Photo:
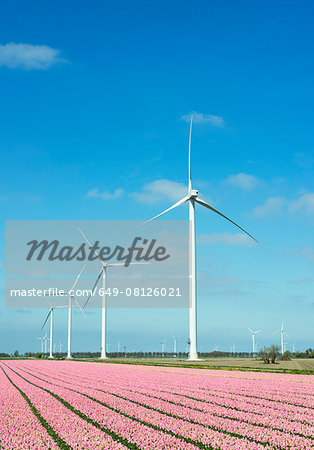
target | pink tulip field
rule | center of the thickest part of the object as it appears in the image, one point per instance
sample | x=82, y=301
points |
x=82, y=405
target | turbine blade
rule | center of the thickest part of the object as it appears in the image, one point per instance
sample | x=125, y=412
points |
x=258, y=331
x=48, y=302
x=77, y=278
x=90, y=245
x=202, y=202
x=94, y=287
x=79, y=306
x=190, y=138
x=46, y=320
x=250, y=330
x=123, y=264
x=180, y=202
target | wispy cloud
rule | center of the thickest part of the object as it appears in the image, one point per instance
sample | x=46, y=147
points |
x=159, y=190
x=235, y=239
x=272, y=205
x=300, y=281
x=28, y=56
x=305, y=203
x=106, y=195
x=218, y=281
x=308, y=252
x=209, y=119
x=304, y=160
x=243, y=181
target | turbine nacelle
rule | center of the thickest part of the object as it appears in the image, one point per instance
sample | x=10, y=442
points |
x=194, y=193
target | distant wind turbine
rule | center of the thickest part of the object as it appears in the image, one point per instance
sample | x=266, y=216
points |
x=72, y=297
x=253, y=339
x=60, y=347
x=51, y=315
x=45, y=339
x=282, y=334
x=174, y=346
x=192, y=198
x=42, y=343
x=293, y=348
x=103, y=273
x=163, y=345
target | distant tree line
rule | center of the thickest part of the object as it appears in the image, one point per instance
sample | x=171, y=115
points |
x=265, y=354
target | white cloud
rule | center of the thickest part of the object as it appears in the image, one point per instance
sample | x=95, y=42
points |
x=272, y=205
x=305, y=203
x=94, y=193
x=243, y=181
x=27, y=56
x=159, y=190
x=236, y=239
x=215, y=121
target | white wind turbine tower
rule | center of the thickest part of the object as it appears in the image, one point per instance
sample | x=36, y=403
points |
x=72, y=297
x=253, y=339
x=42, y=343
x=103, y=273
x=192, y=198
x=174, y=346
x=45, y=339
x=51, y=315
x=282, y=334
x=60, y=347
x=163, y=345
x=293, y=348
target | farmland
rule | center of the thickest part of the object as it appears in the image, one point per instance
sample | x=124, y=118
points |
x=83, y=405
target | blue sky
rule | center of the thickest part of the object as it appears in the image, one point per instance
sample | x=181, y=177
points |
x=94, y=99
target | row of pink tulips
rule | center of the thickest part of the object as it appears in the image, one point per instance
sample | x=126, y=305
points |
x=199, y=430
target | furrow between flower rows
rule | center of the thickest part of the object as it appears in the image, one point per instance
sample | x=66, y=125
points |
x=262, y=435
x=207, y=437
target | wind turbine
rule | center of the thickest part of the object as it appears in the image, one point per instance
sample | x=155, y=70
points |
x=45, y=339
x=253, y=339
x=50, y=314
x=282, y=334
x=163, y=345
x=174, y=346
x=42, y=343
x=72, y=297
x=192, y=198
x=293, y=348
x=60, y=347
x=103, y=274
